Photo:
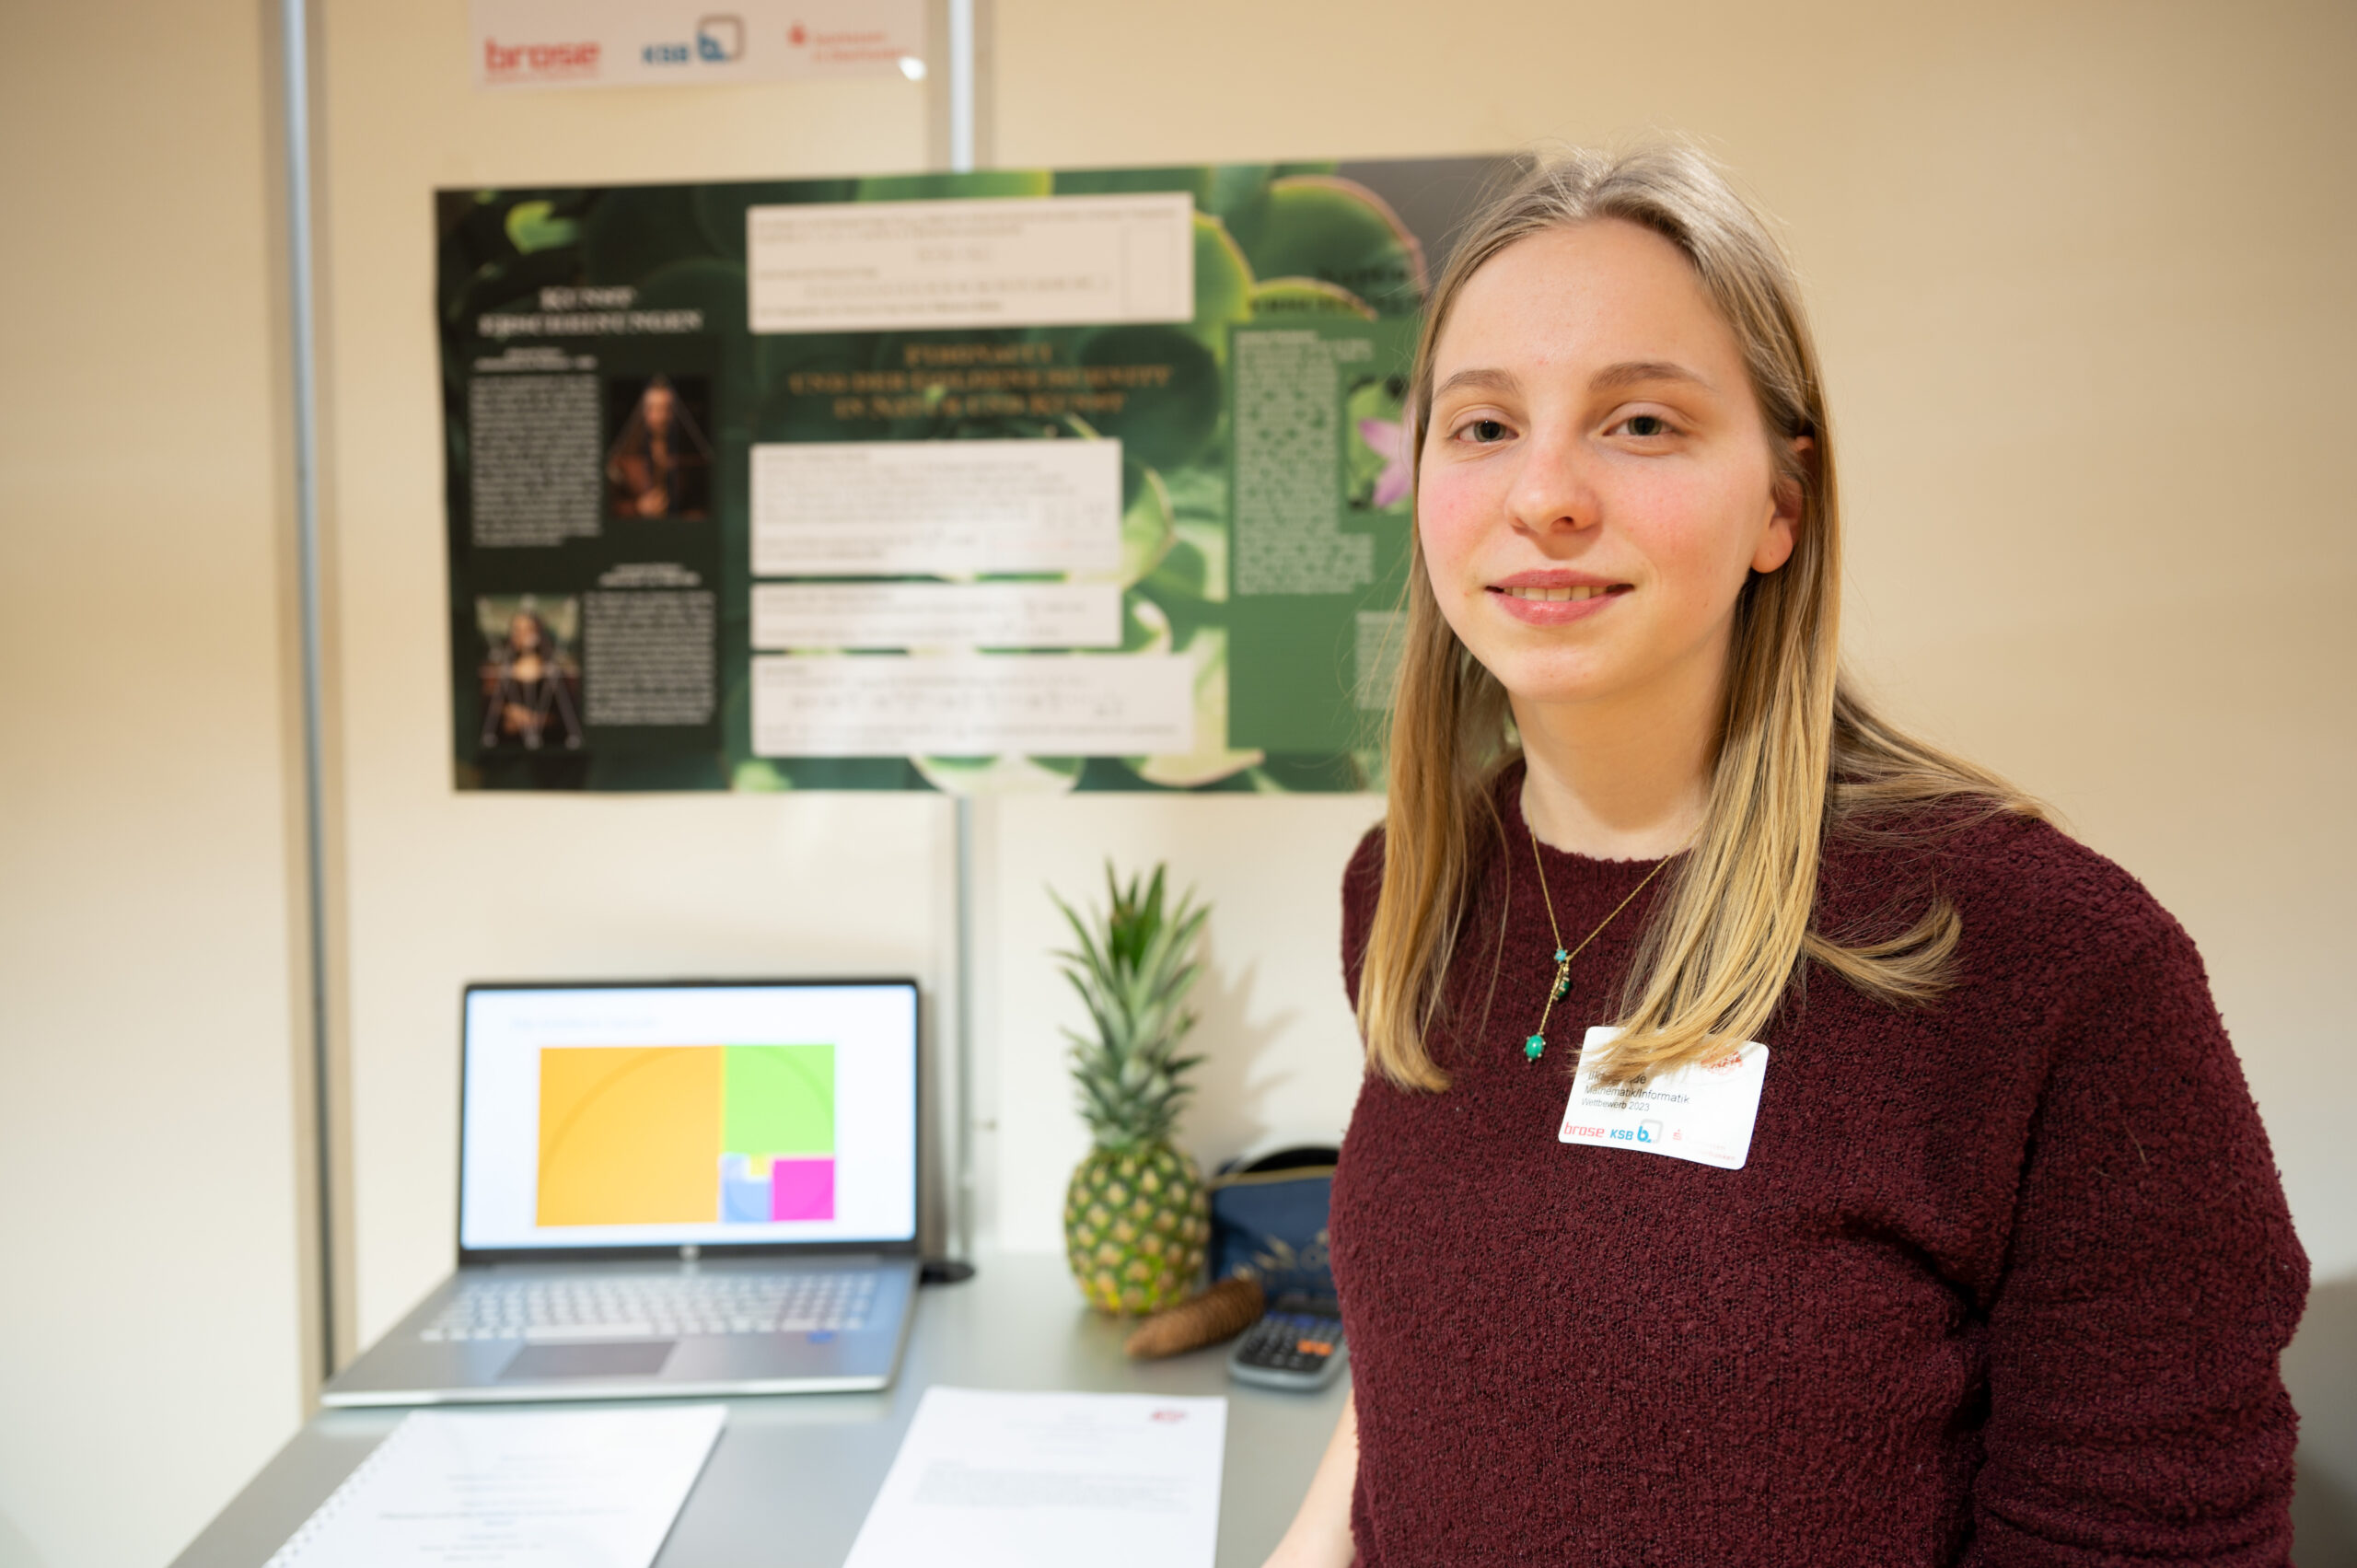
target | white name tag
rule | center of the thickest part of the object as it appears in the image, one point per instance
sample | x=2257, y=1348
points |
x=1702, y=1113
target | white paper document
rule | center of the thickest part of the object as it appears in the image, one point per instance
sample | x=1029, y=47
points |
x=999, y=261
x=988, y=1480
x=973, y=705
x=936, y=615
x=513, y=1489
x=892, y=508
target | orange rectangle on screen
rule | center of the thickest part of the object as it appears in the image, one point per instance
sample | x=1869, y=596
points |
x=630, y=1135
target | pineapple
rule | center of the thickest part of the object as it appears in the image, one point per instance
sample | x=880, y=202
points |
x=1136, y=1218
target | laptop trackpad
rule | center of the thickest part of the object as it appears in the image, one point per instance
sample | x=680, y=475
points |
x=621, y=1358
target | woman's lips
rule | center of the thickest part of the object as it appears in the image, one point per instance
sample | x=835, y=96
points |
x=1549, y=603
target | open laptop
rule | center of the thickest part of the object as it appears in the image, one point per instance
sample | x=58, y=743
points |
x=671, y=1190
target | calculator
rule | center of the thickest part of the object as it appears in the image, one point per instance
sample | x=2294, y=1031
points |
x=1298, y=1345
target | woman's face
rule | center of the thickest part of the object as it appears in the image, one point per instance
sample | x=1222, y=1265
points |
x=1597, y=481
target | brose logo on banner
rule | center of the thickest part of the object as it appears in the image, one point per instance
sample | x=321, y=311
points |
x=572, y=60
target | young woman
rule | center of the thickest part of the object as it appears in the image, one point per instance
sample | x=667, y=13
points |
x=1977, y=1254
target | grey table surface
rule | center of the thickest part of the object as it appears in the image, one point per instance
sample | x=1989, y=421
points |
x=792, y=1476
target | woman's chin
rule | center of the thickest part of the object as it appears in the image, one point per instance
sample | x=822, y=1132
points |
x=1555, y=682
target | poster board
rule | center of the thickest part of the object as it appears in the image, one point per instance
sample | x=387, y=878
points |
x=1025, y=479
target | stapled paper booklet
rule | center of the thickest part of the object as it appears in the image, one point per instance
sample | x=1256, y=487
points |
x=513, y=1489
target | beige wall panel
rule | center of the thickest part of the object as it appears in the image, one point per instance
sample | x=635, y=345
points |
x=1282, y=1051
x=2080, y=276
x=151, y=1350
x=444, y=887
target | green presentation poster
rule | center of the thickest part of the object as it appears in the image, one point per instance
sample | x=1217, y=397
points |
x=1019, y=481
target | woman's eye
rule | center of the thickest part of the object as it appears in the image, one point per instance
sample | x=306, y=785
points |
x=1486, y=430
x=1646, y=424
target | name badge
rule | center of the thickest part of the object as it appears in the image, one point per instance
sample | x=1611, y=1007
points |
x=1701, y=1112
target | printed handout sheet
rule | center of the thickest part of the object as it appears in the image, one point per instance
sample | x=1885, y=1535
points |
x=513, y=1489
x=999, y=1480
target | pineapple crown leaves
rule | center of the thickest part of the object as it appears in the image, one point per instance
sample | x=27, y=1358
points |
x=1132, y=965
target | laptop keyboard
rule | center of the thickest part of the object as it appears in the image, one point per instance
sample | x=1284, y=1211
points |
x=656, y=1306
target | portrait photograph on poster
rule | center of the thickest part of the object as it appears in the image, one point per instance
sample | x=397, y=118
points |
x=658, y=461
x=530, y=679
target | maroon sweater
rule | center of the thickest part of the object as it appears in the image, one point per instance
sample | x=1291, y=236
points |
x=2002, y=1282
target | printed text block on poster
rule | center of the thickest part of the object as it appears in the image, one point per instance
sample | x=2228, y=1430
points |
x=1010, y=262
x=1044, y=704
x=872, y=509
x=936, y=615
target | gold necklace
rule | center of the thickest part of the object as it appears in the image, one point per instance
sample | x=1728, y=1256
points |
x=1537, y=1044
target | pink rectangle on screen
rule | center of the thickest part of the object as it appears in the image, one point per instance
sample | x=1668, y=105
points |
x=802, y=1189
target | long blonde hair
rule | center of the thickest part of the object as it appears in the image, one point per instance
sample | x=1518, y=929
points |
x=1799, y=754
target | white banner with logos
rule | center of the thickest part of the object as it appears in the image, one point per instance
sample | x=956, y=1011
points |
x=615, y=43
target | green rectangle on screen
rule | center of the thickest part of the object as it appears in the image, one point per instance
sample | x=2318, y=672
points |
x=779, y=1099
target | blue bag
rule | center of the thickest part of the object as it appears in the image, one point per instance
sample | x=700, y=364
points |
x=1269, y=1222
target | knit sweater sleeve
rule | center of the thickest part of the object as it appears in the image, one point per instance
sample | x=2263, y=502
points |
x=2135, y=1411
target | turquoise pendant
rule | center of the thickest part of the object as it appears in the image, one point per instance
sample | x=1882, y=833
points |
x=1533, y=1046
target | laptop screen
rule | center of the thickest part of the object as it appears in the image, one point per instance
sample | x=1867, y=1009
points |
x=664, y=1115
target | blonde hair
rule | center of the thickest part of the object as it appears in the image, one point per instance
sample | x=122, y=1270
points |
x=1800, y=754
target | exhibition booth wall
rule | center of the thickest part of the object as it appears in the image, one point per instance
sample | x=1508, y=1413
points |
x=153, y=1159
x=2079, y=274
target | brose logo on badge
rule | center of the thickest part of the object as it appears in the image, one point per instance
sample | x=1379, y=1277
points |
x=1702, y=1113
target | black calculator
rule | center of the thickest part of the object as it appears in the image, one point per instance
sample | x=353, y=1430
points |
x=1296, y=1344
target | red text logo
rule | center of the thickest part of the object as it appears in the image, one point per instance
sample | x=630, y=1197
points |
x=509, y=60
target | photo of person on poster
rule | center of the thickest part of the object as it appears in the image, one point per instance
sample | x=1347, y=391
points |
x=531, y=683
x=658, y=464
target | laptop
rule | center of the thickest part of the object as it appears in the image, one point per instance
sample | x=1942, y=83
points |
x=671, y=1190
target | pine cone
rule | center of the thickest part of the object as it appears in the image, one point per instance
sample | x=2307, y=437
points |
x=1221, y=1312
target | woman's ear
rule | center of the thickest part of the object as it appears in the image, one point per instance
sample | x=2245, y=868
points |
x=1785, y=493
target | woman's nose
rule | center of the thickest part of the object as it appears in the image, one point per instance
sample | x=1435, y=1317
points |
x=1554, y=488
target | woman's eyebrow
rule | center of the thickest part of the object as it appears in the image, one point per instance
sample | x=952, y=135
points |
x=1627, y=373
x=1630, y=372
x=1479, y=380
